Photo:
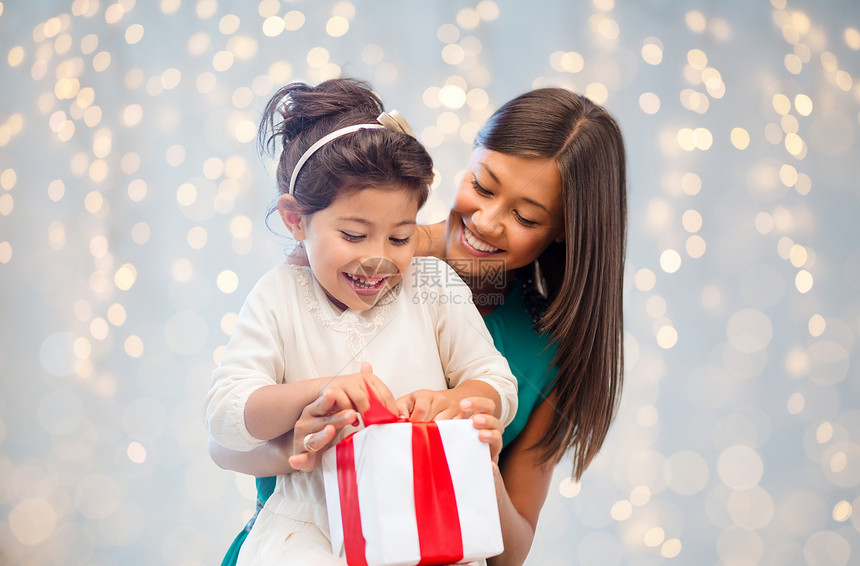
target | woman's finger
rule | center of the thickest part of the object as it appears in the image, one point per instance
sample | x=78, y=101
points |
x=487, y=422
x=477, y=405
x=324, y=403
x=305, y=462
x=316, y=441
x=332, y=397
x=490, y=431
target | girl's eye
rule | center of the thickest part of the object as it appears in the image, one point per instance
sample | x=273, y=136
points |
x=480, y=190
x=350, y=237
x=524, y=221
x=399, y=241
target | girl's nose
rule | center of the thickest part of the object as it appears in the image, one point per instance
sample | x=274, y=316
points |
x=376, y=249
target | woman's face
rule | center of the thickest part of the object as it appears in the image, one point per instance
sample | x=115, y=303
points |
x=507, y=210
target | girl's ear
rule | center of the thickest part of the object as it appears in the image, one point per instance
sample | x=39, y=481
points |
x=288, y=208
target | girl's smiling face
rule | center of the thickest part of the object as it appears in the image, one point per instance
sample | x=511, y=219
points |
x=507, y=210
x=361, y=245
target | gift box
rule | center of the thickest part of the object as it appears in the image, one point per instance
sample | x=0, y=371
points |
x=403, y=494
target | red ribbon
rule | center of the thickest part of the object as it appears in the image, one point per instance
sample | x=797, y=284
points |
x=347, y=486
x=439, y=537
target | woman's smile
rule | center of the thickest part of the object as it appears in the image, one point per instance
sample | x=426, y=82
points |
x=472, y=243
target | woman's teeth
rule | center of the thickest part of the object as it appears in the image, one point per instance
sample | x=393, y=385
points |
x=479, y=245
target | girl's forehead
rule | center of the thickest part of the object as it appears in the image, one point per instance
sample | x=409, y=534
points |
x=374, y=203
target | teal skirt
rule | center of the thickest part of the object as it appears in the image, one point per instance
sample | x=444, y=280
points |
x=265, y=487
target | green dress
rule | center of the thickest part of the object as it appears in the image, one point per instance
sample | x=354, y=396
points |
x=530, y=356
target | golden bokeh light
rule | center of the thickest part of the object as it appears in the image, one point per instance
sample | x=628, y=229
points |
x=227, y=281
x=740, y=138
x=125, y=277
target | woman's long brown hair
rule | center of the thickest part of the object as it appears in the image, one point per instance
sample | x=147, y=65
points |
x=584, y=273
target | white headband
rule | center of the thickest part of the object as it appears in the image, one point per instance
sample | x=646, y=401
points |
x=392, y=120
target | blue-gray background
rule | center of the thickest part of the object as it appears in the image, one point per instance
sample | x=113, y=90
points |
x=132, y=208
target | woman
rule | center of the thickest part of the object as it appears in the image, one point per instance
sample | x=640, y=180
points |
x=539, y=225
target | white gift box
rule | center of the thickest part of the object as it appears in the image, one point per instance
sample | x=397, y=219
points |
x=386, y=499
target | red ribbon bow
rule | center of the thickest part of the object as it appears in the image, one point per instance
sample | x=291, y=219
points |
x=439, y=537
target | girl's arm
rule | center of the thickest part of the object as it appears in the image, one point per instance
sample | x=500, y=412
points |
x=273, y=410
x=522, y=483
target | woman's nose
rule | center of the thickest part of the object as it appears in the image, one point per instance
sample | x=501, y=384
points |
x=487, y=221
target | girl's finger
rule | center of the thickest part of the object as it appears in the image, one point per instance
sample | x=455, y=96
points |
x=404, y=406
x=448, y=413
x=383, y=393
x=420, y=410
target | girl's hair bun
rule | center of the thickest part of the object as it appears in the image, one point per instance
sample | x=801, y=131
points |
x=298, y=109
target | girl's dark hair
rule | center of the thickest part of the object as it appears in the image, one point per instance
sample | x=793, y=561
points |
x=298, y=115
x=584, y=273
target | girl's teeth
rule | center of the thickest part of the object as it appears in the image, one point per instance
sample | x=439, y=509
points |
x=366, y=283
x=476, y=243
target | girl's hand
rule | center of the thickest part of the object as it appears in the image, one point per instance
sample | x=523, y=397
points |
x=351, y=391
x=426, y=405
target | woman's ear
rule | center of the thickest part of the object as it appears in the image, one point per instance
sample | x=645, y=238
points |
x=294, y=220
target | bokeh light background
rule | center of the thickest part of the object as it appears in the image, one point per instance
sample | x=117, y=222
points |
x=132, y=206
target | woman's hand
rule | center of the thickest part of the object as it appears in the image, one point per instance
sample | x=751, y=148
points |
x=316, y=428
x=490, y=428
x=338, y=405
x=298, y=256
x=430, y=240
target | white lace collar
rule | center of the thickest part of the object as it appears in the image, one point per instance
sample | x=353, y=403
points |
x=358, y=326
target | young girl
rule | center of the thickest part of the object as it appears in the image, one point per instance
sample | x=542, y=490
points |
x=351, y=186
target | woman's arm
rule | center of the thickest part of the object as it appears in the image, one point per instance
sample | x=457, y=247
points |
x=269, y=459
x=522, y=483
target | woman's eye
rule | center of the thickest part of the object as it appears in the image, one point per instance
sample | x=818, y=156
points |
x=351, y=237
x=481, y=190
x=399, y=241
x=524, y=221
